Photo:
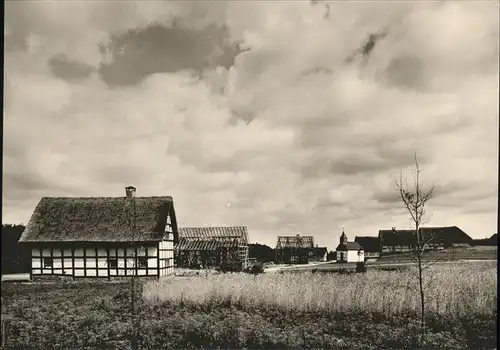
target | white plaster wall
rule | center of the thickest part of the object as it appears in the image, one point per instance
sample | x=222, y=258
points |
x=152, y=262
x=152, y=251
x=35, y=263
x=78, y=252
x=102, y=262
x=352, y=256
x=63, y=261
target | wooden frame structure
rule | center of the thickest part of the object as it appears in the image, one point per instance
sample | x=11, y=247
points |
x=209, y=247
x=295, y=249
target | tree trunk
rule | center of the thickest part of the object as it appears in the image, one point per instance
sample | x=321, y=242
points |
x=420, y=249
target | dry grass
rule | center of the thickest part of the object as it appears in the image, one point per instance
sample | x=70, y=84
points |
x=457, y=290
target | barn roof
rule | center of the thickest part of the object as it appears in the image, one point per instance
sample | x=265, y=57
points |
x=214, y=232
x=370, y=244
x=295, y=242
x=349, y=246
x=445, y=235
x=93, y=219
x=205, y=244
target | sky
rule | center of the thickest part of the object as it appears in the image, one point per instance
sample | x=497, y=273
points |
x=286, y=117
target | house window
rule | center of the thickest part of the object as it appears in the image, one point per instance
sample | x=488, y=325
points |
x=113, y=263
x=48, y=262
x=142, y=262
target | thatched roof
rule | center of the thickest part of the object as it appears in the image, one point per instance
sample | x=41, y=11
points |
x=295, y=242
x=440, y=235
x=105, y=219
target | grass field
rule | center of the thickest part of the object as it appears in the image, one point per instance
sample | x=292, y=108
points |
x=362, y=311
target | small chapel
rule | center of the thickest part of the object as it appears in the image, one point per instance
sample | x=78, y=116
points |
x=349, y=251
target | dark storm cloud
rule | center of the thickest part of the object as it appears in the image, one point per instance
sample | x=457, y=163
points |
x=64, y=68
x=157, y=48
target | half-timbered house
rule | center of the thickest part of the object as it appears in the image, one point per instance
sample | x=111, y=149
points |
x=212, y=247
x=102, y=236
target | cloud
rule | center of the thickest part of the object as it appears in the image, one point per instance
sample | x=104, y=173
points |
x=160, y=48
x=64, y=68
x=258, y=114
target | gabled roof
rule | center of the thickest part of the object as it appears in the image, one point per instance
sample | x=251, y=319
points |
x=105, y=219
x=222, y=233
x=349, y=246
x=435, y=235
x=370, y=244
x=295, y=242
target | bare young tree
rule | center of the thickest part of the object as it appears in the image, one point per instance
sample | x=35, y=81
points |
x=415, y=198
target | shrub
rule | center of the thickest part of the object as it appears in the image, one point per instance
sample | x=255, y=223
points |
x=360, y=267
x=255, y=269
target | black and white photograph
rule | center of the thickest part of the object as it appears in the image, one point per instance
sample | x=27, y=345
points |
x=250, y=174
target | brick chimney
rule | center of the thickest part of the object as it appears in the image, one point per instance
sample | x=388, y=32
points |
x=130, y=192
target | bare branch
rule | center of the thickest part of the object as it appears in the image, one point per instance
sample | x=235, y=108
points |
x=434, y=262
x=415, y=200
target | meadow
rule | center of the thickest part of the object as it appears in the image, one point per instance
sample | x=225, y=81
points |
x=378, y=309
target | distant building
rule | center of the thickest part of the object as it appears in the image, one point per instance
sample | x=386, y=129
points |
x=349, y=251
x=209, y=247
x=320, y=254
x=102, y=236
x=492, y=241
x=298, y=250
x=400, y=241
x=370, y=245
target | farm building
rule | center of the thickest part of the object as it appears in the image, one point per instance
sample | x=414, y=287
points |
x=349, y=251
x=395, y=241
x=208, y=247
x=370, y=244
x=298, y=250
x=102, y=236
x=320, y=254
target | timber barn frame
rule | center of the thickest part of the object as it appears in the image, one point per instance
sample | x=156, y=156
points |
x=295, y=249
x=209, y=247
x=102, y=236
